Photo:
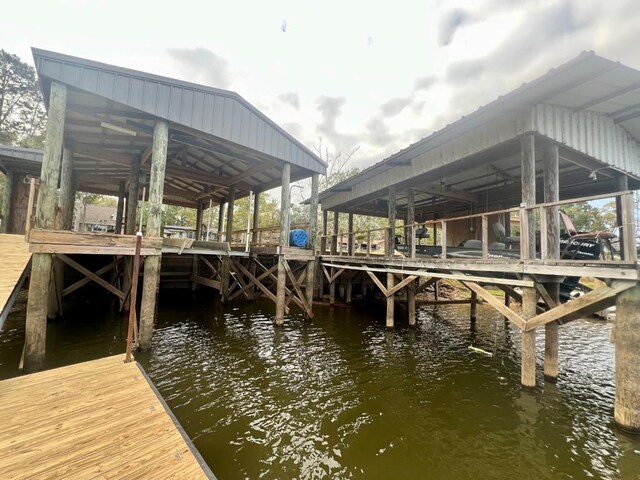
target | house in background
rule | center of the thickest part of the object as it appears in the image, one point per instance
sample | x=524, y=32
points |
x=93, y=218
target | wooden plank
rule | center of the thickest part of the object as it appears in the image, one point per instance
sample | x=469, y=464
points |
x=89, y=250
x=421, y=273
x=97, y=419
x=62, y=237
x=206, y=281
x=584, y=305
x=100, y=281
x=516, y=319
x=252, y=282
x=259, y=284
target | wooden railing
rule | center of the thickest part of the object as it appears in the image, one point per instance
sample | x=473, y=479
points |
x=264, y=236
x=343, y=243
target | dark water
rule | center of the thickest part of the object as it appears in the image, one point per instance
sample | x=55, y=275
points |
x=341, y=397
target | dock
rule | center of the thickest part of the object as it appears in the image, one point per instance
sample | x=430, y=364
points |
x=102, y=418
x=16, y=257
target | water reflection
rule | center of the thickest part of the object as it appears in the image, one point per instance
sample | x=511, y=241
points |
x=343, y=397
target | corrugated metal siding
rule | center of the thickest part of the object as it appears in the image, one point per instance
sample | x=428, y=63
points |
x=463, y=144
x=590, y=133
x=215, y=112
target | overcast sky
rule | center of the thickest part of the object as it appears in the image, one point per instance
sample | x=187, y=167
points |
x=373, y=75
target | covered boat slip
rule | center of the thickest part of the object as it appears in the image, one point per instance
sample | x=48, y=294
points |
x=482, y=202
x=153, y=140
x=98, y=419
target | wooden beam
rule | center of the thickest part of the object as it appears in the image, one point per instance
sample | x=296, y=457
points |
x=80, y=283
x=516, y=319
x=208, y=282
x=583, y=305
x=89, y=274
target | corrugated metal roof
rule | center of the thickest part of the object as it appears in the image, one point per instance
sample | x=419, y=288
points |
x=587, y=83
x=20, y=159
x=213, y=111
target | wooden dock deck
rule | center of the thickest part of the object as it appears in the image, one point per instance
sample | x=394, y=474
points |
x=15, y=259
x=98, y=419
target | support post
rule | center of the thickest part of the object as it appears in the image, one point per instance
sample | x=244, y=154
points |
x=389, y=249
x=528, y=178
x=196, y=260
x=313, y=265
x=627, y=342
x=154, y=229
x=285, y=207
x=132, y=197
x=120, y=209
x=220, y=221
x=474, y=307
x=551, y=176
x=411, y=245
x=60, y=223
x=256, y=218
x=334, y=251
x=622, y=184
x=6, y=202
x=231, y=201
x=528, y=374
x=36, y=322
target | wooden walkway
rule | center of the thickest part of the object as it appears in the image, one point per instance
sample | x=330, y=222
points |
x=100, y=419
x=15, y=256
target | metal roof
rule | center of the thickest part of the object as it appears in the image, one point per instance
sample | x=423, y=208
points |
x=597, y=99
x=223, y=114
x=20, y=159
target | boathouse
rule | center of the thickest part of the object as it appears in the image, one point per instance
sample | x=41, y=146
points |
x=153, y=140
x=570, y=136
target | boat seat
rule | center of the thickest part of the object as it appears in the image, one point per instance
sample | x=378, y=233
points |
x=501, y=235
x=473, y=244
x=497, y=246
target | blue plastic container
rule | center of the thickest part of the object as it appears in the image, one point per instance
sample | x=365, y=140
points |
x=298, y=238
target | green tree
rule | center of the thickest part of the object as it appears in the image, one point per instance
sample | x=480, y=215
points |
x=22, y=113
x=587, y=217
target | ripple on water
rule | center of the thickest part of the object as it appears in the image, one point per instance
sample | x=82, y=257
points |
x=343, y=397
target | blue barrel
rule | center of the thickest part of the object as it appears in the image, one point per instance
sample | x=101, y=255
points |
x=298, y=238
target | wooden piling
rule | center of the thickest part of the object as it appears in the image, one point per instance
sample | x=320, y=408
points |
x=411, y=245
x=312, y=265
x=196, y=259
x=120, y=208
x=473, y=315
x=528, y=375
x=285, y=207
x=551, y=176
x=220, y=222
x=154, y=229
x=36, y=322
x=627, y=344
x=6, y=202
x=256, y=218
x=334, y=251
x=389, y=250
x=528, y=178
x=231, y=202
x=132, y=197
